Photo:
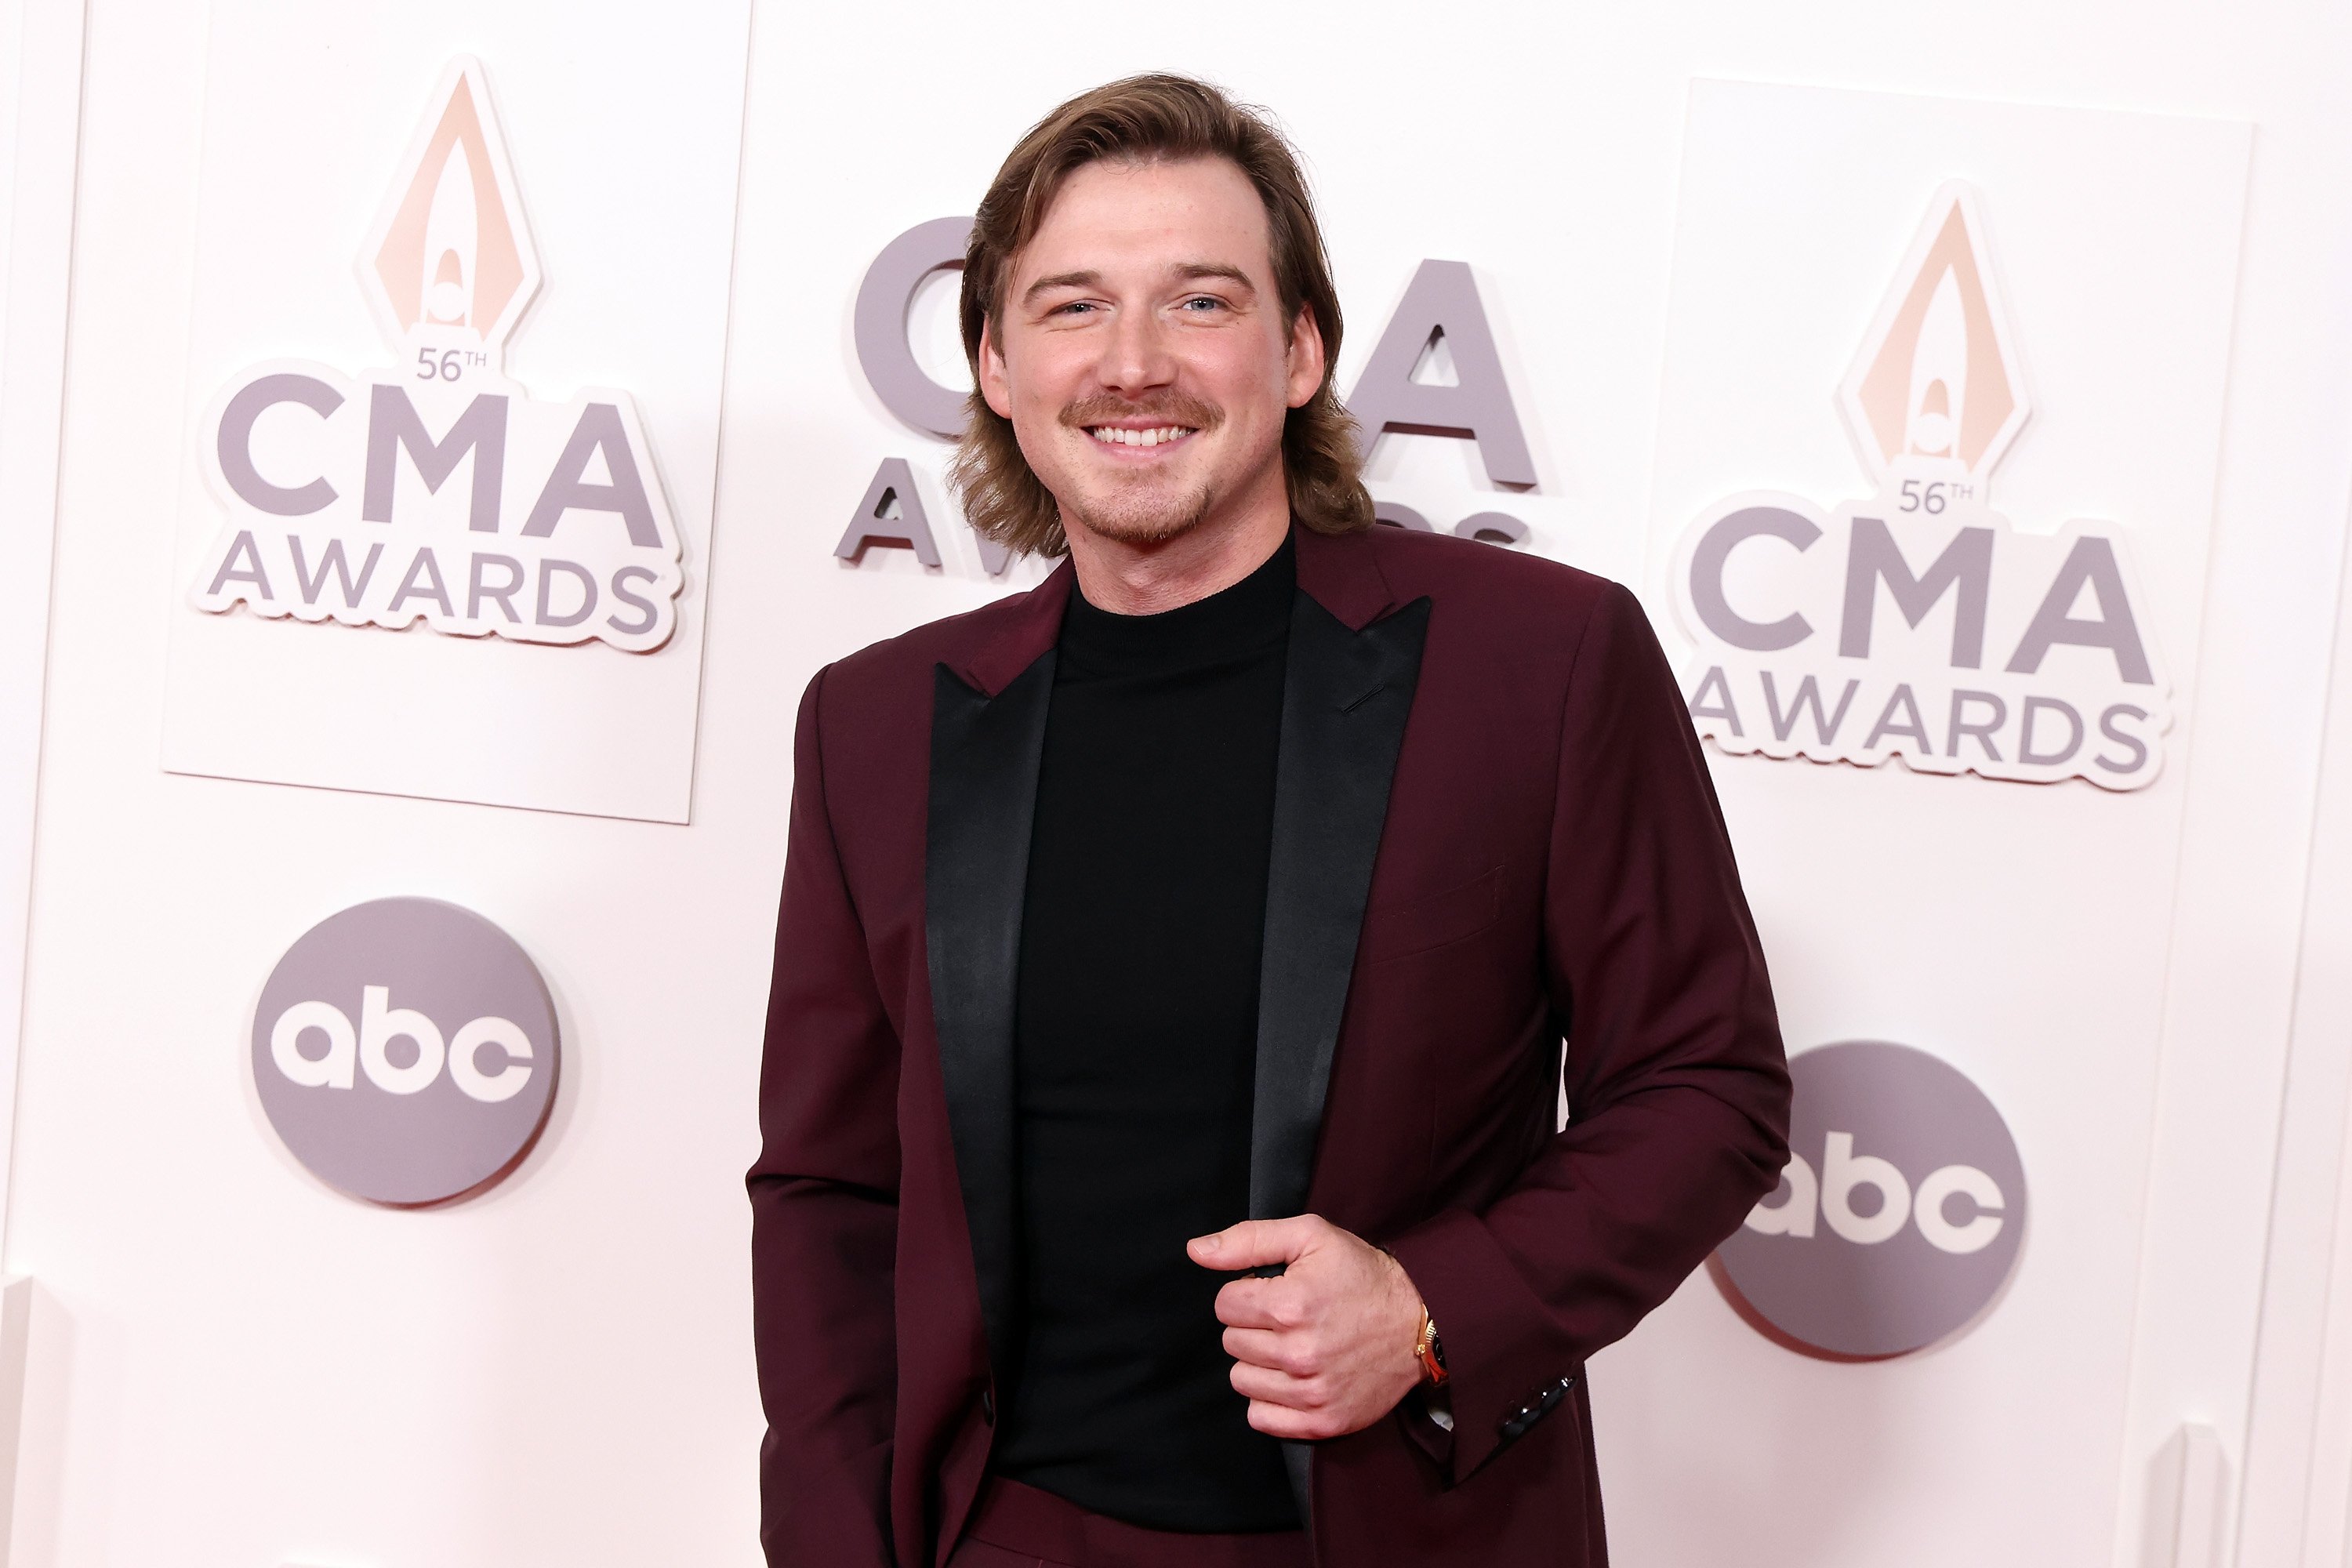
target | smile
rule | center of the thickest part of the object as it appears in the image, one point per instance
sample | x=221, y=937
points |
x=1111, y=434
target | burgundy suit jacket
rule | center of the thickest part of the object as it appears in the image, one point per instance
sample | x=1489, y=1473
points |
x=1493, y=833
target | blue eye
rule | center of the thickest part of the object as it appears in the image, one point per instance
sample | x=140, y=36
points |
x=1209, y=300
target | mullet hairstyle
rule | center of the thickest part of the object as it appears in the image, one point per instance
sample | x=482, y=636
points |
x=1146, y=119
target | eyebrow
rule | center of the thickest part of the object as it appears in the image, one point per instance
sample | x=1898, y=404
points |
x=1060, y=280
x=1189, y=271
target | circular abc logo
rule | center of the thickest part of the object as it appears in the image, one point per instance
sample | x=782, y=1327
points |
x=405, y=1051
x=1900, y=1212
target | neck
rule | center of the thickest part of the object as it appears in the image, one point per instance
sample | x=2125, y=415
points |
x=1131, y=579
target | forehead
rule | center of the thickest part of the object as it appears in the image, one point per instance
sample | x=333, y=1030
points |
x=1119, y=216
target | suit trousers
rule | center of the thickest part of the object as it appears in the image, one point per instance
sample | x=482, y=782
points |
x=1016, y=1526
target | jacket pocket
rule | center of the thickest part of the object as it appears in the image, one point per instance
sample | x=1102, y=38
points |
x=1408, y=926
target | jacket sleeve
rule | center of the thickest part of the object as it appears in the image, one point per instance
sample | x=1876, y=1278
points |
x=824, y=1208
x=1677, y=1089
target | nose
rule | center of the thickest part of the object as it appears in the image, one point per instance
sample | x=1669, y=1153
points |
x=1137, y=355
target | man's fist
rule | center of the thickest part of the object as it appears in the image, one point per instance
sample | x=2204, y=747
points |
x=1325, y=1348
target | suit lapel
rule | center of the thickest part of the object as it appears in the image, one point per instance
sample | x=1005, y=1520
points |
x=988, y=735
x=1346, y=695
x=1348, y=690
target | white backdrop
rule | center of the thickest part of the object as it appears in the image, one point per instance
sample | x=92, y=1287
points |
x=234, y=1366
x=2015, y=931
x=632, y=216
x=40, y=102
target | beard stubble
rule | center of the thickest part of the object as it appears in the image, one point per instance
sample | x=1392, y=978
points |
x=1141, y=511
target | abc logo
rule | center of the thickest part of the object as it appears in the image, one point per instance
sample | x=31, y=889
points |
x=1899, y=1216
x=404, y=1050
x=380, y=1024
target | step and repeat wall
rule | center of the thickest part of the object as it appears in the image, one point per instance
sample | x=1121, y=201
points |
x=483, y=418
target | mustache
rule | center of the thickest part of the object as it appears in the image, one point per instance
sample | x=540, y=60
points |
x=1165, y=408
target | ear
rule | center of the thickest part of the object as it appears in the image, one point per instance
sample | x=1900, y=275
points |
x=995, y=381
x=1304, y=358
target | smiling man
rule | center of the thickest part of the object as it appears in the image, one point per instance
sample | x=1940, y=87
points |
x=1179, y=963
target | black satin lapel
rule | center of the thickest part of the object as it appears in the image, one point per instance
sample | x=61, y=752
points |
x=1346, y=695
x=984, y=759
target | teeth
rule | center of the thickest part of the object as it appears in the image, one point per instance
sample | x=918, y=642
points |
x=1139, y=437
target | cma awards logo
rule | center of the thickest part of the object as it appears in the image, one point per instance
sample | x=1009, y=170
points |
x=1899, y=1216
x=405, y=1051
x=434, y=488
x=1920, y=624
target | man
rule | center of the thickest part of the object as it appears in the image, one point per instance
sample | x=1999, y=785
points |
x=1161, y=1158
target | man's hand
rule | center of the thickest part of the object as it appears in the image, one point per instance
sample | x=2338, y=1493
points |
x=1324, y=1348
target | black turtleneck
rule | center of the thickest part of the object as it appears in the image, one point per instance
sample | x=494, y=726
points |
x=1136, y=1043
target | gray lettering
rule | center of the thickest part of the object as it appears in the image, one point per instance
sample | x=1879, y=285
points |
x=2092, y=560
x=1396, y=514
x=1443, y=300
x=579, y=573
x=879, y=325
x=894, y=482
x=1493, y=527
x=235, y=443
x=993, y=557
x=2034, y=708
x=500, y=594
x=1872, y=557
x=1982, y=733
x=241, y=545
x=394, y=423
x=333, y=561
x=1713, y=681
x=1708, y=561
x=1808, y=694
x=599, y=428
x=422, y=582
x=1916, y=728
x=621, y=580
x=2138, y=747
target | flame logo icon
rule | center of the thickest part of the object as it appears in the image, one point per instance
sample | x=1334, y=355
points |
x=451, y=257
x=452, y=227
x=1937, y=378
